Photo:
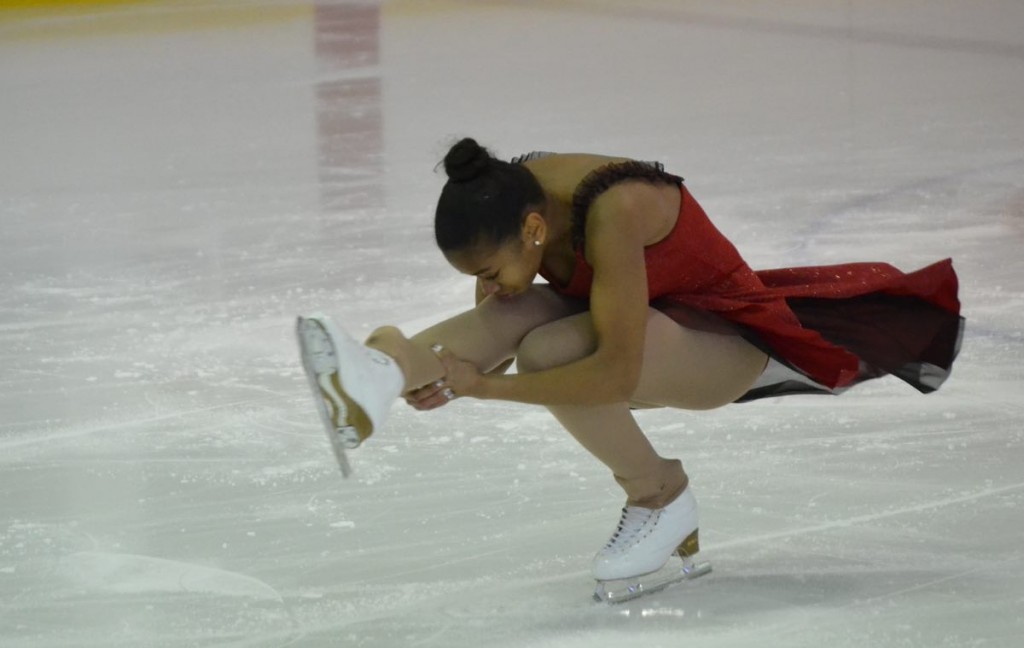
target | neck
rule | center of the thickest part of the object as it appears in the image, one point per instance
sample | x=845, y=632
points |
x=558, y=215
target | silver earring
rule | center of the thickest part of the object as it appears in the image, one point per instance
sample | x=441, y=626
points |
x=536, y=244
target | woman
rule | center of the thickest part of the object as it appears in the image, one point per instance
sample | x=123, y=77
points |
x=646, y=305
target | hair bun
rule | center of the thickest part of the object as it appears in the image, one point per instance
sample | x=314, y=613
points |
x=466, y=160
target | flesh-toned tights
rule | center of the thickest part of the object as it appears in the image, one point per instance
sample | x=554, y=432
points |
x=683, y=368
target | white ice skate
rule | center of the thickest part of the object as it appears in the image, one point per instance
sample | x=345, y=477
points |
x=353, y=385
x=636, y=560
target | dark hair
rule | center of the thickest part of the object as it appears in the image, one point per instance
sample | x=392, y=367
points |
x=485, y=200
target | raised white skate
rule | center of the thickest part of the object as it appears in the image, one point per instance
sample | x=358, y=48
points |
x=636, y=560
x=353, y=385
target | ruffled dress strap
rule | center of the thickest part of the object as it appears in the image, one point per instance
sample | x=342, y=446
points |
x=532, y=155
x=604, y=178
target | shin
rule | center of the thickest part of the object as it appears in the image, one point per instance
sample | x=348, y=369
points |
x=486, y=335
x=609, y=432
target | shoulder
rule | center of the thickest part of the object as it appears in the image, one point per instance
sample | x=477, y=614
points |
x=606, y=176
x=633, y=191
x=632, y=212
x=626, y=196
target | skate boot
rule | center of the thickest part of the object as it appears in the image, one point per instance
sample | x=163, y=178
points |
x=353, y=385
x=636, y=559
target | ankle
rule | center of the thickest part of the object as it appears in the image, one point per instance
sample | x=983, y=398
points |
x=386, y=339
x=657, y=487
x=390, y=341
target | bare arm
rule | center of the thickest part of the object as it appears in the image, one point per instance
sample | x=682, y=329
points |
x=618, y=225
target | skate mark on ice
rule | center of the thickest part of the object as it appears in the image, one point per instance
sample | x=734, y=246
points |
x=860, y=519
x=841, y=212
x=134, y=574
x=72, y=434
x=431, y=637
x=924, y=585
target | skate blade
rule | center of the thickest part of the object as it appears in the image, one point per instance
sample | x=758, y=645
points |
x=628, y=589
x=338, y=445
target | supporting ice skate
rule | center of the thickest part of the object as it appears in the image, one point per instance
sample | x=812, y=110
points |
x=636, y=560
x=353, y=385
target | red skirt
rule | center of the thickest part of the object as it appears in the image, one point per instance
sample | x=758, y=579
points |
x=909, y=325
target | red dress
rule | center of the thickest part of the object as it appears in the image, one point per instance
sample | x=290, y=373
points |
x=836, y=324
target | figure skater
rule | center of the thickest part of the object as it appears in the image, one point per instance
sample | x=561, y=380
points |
x=646, y=304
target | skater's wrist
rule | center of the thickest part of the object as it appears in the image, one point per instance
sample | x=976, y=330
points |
x=485, y=389
x=507, y=387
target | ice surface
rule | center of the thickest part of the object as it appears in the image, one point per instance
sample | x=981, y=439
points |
x=178, y=181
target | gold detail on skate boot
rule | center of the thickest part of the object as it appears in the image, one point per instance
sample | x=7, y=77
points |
x=690, y=546
x=333, y=410
x=354, y=415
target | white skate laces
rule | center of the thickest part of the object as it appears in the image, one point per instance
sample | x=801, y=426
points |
x=645, y=539
x=354, y=385
x=636, y=522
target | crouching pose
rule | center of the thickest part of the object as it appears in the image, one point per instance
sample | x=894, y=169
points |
x=646, y=305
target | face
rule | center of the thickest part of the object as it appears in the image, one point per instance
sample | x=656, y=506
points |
x=504, y=270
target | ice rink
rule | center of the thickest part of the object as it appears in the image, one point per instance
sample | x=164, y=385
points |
x=179, y=180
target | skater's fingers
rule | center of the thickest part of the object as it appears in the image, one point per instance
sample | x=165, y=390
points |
x=417, y=400
x=448, y=359
x=426, y=391
x=430, y=403
x=429, y=397
x=461, y=377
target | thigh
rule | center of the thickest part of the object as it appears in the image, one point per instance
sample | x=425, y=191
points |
x=557, y=343
x=683, y=367
x=695, y=369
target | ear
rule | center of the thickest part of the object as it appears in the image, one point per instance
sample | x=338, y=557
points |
x=535, y=230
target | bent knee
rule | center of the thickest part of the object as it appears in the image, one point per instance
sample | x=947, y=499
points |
x=554, y=345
